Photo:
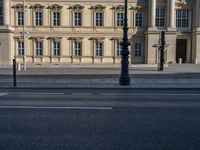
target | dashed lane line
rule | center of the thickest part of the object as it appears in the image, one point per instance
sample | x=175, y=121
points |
x=81, y=93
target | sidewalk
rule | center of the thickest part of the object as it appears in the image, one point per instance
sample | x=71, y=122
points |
x=174, y=76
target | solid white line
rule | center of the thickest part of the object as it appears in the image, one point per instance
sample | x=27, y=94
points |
x=21, y=93
x=145, y=94
x=53, y=107
x=3, y=94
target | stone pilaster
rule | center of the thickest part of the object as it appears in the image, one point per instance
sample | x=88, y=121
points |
x=6, y=12
x=152, y=14
x=197, y=14
x=196, y=35
x=171, y=15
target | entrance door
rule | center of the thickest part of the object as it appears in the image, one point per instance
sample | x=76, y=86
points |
x=181, y=48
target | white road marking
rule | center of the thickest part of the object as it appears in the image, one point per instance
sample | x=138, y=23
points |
x=33, y=93
x=53, y=107
x=146, y=94
x=3, y=94
x=81, y=93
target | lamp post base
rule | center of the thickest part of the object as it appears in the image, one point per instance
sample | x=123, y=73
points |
x=124, y=81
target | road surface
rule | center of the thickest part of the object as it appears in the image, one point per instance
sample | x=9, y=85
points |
x=99, y=119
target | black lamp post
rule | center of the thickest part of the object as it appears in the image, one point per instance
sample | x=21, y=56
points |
x=162, y=48
x=124, y=77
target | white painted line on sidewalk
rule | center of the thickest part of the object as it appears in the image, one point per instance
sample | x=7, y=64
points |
x=145, y=94
x=3, y=94
x=53, y=107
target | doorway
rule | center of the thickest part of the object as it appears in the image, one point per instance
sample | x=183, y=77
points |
x=181, y=49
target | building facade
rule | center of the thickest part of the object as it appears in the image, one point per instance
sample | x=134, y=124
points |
x=90, y=32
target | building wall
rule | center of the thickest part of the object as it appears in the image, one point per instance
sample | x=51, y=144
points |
x=147, y=35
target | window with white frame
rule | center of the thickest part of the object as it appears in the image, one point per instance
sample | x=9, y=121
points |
x=20, y=18
x=77, y=48
x=182, y=18
x=20, y=46
x=138, y=49
x=120, y=18
x=138, y=19
x=38, y=48
x=99, y=48
x=38, y=18
x=56, y=48
x=119, y=48
x=99, y=18
x=77, y=18
x=56, y=18
x=1, y=16
x=160, y=17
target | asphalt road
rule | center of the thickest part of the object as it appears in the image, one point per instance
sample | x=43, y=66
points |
x=99, y=119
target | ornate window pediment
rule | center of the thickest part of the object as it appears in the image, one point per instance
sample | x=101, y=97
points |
x=119, y=39
x=119, y=8
x=99, y=39
x=18, y=7
x=98, y=7
x=57, y=39
x=181, y=3
x=77, y=39
x=138, y=7
x=55, y=7
x=37, y=38
x=76, y=7
x=37, y=7
x=18, y=38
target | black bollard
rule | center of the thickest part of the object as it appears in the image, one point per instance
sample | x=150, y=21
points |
x=14, y=73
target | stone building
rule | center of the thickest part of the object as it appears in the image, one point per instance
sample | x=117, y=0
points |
x=90, y=31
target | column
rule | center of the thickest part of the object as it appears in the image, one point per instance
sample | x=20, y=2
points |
x=152, y=13
x=197, y=14
x=171, y=15
x=6, y=12
x=171, y=12
x=133, y=17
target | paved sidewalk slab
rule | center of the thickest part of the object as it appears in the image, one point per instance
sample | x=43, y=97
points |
x=174, y=76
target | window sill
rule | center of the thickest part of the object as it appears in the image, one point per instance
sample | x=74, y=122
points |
x=20, y=56
x=98, y=57
x=37, y=56
x=76, y=56
x=55, y=56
